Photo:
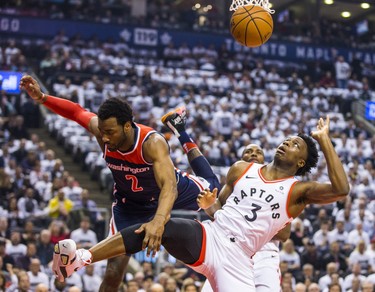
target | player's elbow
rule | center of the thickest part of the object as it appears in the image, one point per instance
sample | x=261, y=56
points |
x=344, y=190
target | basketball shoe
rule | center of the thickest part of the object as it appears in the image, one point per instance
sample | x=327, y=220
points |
x=175, y=120
x=67, y=259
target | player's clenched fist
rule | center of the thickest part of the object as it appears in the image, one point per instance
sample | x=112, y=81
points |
x=32, y=87
x=206, y=198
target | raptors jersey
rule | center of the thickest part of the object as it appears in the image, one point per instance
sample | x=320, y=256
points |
x=256, y=210
x=133, y=175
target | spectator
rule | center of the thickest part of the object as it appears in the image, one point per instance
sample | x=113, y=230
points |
x=41, y=288
x=330, y=277
x=310, y=255
x=72, y=190
x=29, y=234
x=338, y=234
x=353, y=277
x=84, y=236
x=357, y=235
x=289, y=255
x=343, y=72
x=335, y=255
x=313, y=287
x=90, y=281
x=27, y=206
x=23, y=283
x=59, y=207
x=35, y=275
x=44, y=248
x=23, y=261
x=308, y=275
x=15, y=248
x=359, y=256
x=59, y=231
x=4, y=230
x=5, y=258
x=367, y=286
x=320, y=237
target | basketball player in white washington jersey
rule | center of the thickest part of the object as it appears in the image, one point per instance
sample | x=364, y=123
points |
x=267, y=274
x=261, y=200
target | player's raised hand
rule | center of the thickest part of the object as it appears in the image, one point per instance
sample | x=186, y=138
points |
x=206, y=198
x=32, y=87
x=322, y=129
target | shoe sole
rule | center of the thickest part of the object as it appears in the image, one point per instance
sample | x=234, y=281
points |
x=60, y=261
x=168, y=114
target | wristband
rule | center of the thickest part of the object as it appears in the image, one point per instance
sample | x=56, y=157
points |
x=42, y=99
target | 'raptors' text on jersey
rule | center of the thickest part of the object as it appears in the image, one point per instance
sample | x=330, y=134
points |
x=256, y=210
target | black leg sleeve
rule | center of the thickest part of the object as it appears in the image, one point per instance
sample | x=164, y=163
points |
x=182, y=238
x=132, y=241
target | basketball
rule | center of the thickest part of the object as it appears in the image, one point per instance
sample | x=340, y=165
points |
x=251, y=25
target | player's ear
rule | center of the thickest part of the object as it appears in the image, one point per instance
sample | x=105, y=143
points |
x=301, y=163
x=127, y=126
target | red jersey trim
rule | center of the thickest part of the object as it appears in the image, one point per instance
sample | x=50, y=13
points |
x=195, y=181
x=202, y=254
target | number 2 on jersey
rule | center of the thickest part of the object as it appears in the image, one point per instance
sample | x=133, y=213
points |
x=135, y=187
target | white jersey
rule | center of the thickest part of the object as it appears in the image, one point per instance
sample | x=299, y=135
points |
x=256, y=210
x=272, y=245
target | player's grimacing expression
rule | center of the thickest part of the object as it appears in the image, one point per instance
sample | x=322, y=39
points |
x=253, y=153
x=293, y=149
x=114, y=135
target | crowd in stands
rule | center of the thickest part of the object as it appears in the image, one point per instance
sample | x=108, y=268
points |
x=231, y=103
x=168, y=15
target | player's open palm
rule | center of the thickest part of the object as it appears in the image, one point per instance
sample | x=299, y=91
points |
x=207, y=198
x=322, y=129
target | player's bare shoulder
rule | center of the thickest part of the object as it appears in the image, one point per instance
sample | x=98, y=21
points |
x=237, y=170
x=155, y=146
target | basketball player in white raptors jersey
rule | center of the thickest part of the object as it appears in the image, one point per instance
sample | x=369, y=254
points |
x=267, y=274
x=261, y=200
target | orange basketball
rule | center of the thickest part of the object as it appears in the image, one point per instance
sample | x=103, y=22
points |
x=251, y=25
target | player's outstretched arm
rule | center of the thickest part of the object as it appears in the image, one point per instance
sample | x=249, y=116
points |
x=325, y=193
x=207, y=200
x=156, y=150
x=67, y=109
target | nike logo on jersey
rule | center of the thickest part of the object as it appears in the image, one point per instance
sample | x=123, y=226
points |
x=250, y=176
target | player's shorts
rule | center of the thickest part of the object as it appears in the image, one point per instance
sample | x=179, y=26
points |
x=226, y=266
x=267, y=274
x=127, y=213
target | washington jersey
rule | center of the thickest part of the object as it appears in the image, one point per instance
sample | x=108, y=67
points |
x=133, y=175
x=256, y=210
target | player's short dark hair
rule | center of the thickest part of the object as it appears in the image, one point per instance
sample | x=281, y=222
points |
x=312, y=155
x=115, y=108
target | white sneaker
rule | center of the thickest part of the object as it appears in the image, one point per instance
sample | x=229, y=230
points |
x=67, y=259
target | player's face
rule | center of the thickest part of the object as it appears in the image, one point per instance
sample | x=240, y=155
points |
x=113, y=134
x=293, y=150
x=253, y=153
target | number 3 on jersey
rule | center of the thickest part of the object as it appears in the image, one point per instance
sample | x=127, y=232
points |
x=254, y=212
x=135, y=187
